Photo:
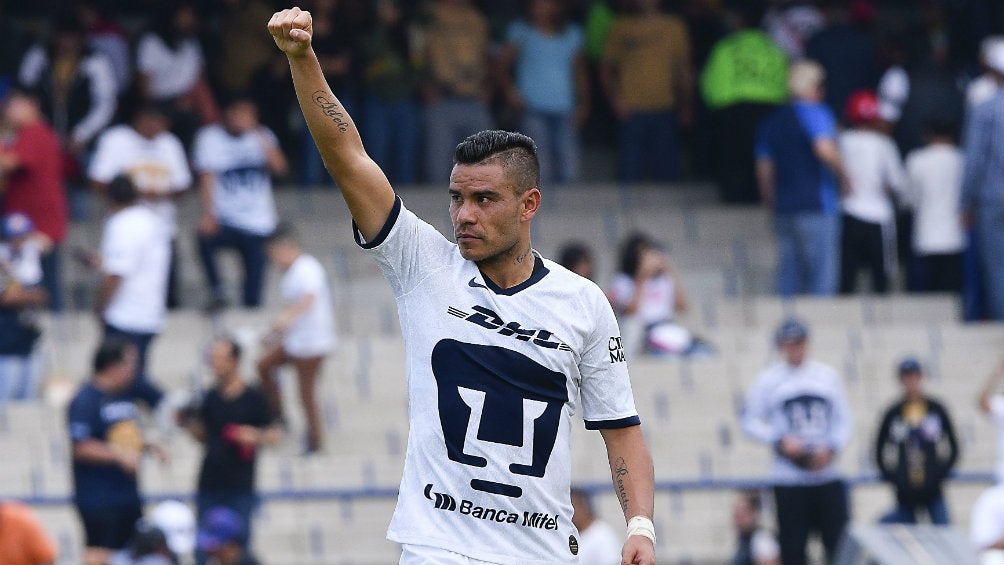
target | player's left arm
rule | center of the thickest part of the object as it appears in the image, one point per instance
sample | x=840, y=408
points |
x=634, y=484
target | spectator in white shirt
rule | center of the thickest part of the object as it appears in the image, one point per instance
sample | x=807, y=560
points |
x=154, y=160
x=234, y=161
x=135, y=251
x=303, y=333
x=934, y=184
x=875, y=171
x=171, y=68
x=598, y=543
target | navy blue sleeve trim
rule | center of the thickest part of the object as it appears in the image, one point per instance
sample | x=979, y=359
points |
x=613, y=424
x=384, y=231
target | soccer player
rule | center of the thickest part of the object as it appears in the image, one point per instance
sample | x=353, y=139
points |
x=502, y=347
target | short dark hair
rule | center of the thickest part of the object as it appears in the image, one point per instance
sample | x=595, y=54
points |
x=121, y=191
x=236, y=351
x=630, y=253
x=574, y=253
x=110, y=351
x=753, y=499
x=941, y=126
x=515, y=152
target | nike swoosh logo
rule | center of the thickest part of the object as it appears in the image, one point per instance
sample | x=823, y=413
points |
x=471, y=283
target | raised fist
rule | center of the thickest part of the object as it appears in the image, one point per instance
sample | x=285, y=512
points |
x=292, y=29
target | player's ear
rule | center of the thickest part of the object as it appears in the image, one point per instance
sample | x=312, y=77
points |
x=529, y=204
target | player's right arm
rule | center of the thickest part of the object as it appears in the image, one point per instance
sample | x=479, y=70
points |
x=364, y=186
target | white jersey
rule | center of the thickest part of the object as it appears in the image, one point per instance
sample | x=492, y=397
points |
x=136, y=248
x=242, y=184
x=806, y=401
x=313, y=333
x=494, y=376
x=154, y=165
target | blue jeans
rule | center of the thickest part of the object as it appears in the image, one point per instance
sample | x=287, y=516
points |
x=808, y=248
x=648, y=147
x=557, y=145
x=251, y=248
x=936, y=508
x=141, y=388
x=990, y=230
x=243, y=503
x=391, y=133
x=19, y=377
x=449, y=121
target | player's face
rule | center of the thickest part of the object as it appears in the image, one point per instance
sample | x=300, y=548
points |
x=488, y=215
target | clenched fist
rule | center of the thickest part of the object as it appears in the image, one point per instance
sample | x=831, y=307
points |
x=292, y=29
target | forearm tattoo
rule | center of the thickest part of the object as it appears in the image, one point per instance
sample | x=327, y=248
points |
x=331, y=109
x=621, y=471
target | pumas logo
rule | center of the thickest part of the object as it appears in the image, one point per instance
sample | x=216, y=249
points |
x=442, y=501
x=488, y=319
x=499, y=409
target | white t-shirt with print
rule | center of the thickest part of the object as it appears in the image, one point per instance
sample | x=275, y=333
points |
x=157, y=165
x=313, y=333
x=494, y=376
x=242, y=188
x=135, y=247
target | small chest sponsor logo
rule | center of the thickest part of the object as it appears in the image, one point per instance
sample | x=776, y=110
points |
x=525, y=518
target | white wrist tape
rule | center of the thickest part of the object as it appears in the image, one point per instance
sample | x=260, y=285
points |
x=641, y=526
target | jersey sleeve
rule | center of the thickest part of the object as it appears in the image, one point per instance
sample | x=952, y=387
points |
x=406, y=249
x=80, y=421
x=202, y=151
x=607, y=399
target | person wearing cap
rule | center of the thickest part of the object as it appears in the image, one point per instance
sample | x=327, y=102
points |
x=983, y=186
x=177, y=521
x=801, y=175
x=220, y=538
x=31, y=167
x=916, y=449
x=875, y=172
x=798, y=407
x=21, y=295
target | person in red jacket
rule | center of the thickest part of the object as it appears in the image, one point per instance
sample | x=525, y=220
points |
x=32, y=171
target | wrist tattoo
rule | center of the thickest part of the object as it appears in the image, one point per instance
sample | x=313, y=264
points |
x=331, y=109
x=620, y=471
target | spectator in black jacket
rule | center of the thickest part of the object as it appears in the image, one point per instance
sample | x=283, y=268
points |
x=916, y=450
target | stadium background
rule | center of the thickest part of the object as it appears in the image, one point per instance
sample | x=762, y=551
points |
x=333, y=508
